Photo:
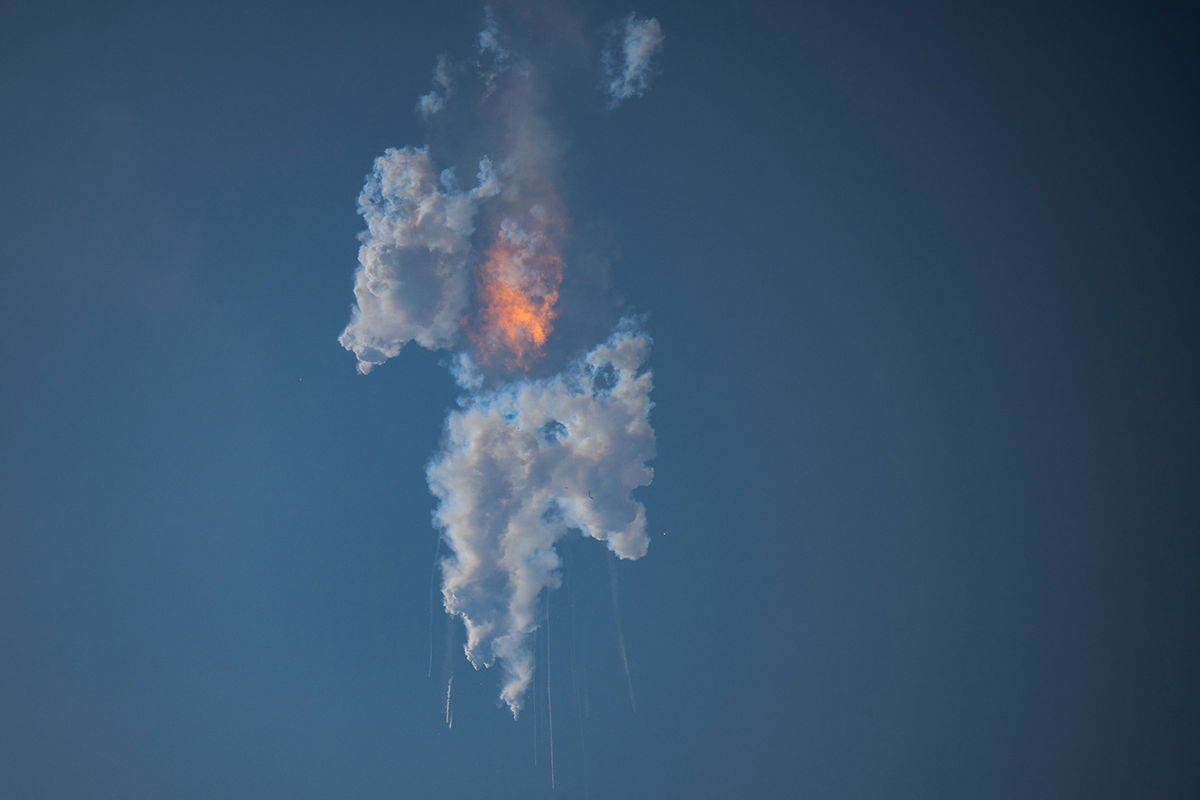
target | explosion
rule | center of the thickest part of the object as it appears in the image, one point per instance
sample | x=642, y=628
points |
x=524, y=460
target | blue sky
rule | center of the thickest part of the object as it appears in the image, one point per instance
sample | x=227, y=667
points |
x=920, y=282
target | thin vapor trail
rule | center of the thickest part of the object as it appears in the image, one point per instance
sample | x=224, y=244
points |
x=549, y=694
x=570, y=579
x=583, y=681
x=537, y=703
x=450, y=702
x=616, y=603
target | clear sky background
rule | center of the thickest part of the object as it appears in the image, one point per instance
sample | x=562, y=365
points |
x=921, y=282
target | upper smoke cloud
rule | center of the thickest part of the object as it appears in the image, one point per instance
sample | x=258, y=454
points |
x=412, y=281
x=627, y=61
x=519, y=468
x=479, y=272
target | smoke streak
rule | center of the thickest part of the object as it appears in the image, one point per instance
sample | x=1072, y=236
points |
x=479, y=272
x=616, y=604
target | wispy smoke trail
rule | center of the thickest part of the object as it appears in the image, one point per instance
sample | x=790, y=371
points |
x=494, y=58
x=443, y=87
x=616, y=604
x=628, y=59
x=478, y=271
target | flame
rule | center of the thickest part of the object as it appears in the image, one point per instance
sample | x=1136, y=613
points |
x=518, y=285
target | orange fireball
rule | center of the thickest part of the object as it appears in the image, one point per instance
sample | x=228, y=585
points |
x=517, y=287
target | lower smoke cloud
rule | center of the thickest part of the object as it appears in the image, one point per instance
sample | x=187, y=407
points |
x=521, y=466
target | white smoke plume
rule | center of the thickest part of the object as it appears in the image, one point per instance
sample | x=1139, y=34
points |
x=412, y=281
x=520, y=467
x=524, y=461
x=627, y=61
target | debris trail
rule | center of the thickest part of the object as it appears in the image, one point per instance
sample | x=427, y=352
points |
x=537, y=703
x=616, y=602
x=437, y=550
x=448, y=672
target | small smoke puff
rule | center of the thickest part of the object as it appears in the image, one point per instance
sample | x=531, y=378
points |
x=434, y=100
x=520, y=467
x=412, y=282
x=466, y=372
x=489, y=37
x=628, y=60
x=430, y=104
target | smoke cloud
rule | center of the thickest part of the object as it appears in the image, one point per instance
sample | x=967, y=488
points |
x=520, y=467
x=524, y=461
x=412, y=281
x=628, y=59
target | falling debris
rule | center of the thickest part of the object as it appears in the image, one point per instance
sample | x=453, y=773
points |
x=616, y=605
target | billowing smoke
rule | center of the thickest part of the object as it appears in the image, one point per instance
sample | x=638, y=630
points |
x=628, y=58
x=524, y=460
